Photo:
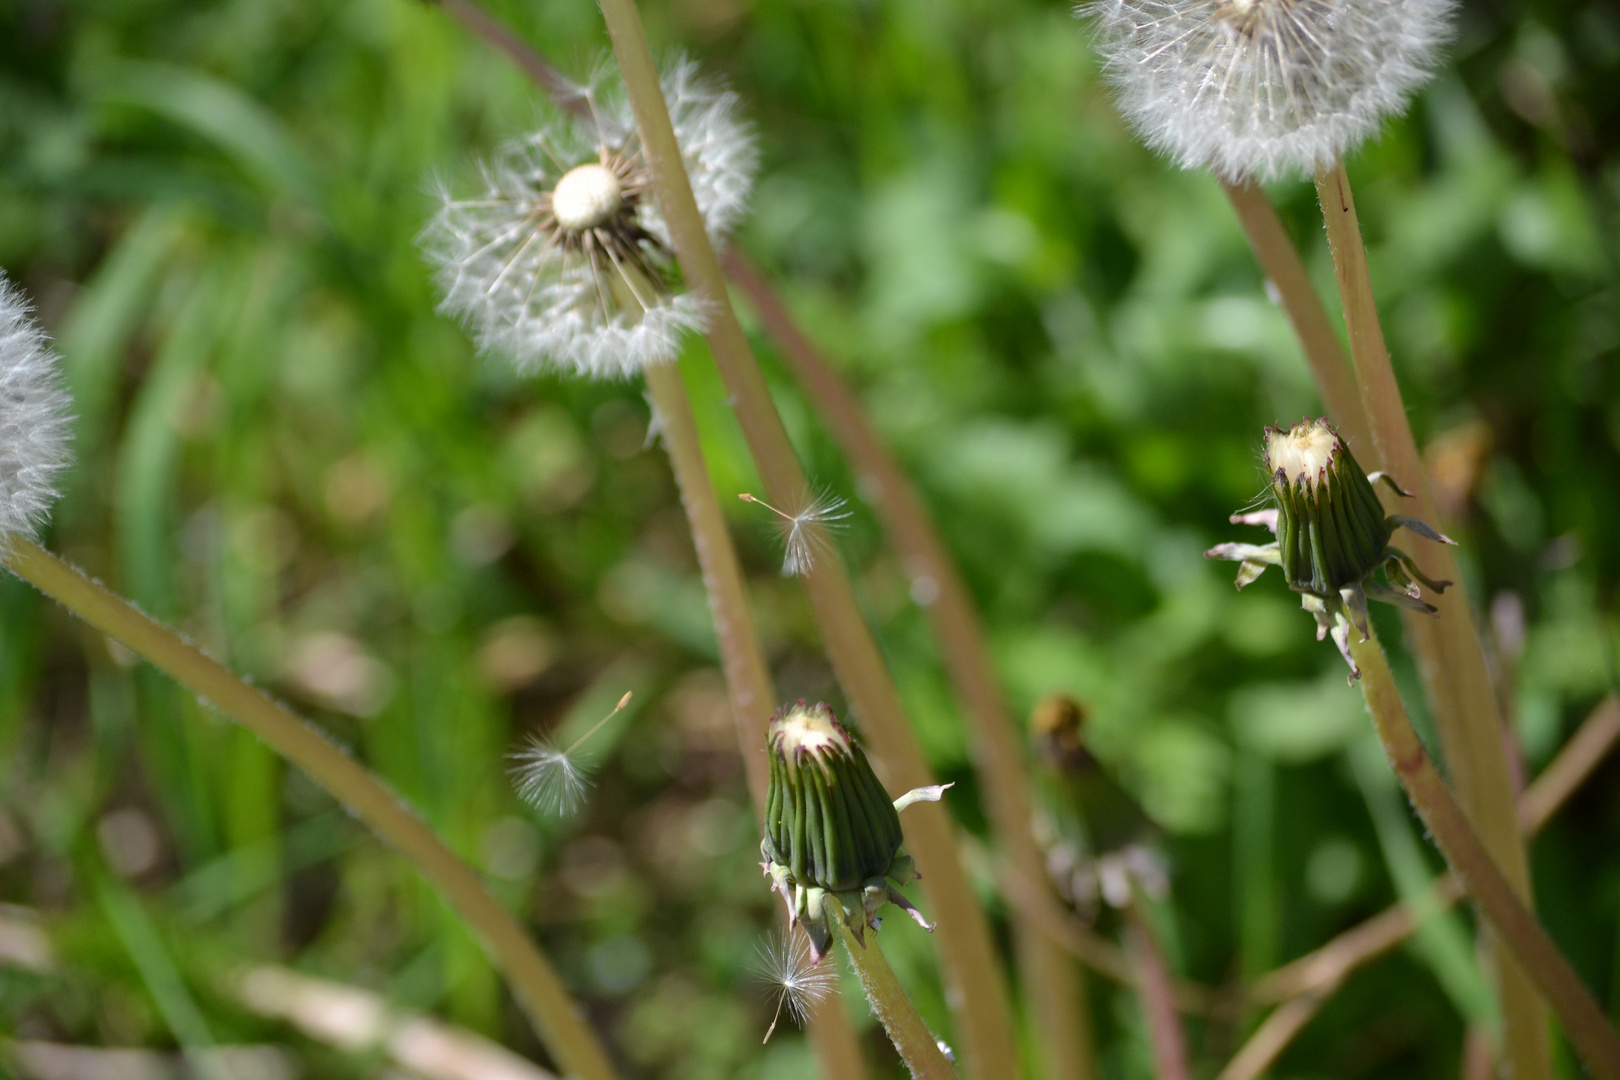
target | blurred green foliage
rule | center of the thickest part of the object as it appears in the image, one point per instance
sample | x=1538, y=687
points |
x=284, y=451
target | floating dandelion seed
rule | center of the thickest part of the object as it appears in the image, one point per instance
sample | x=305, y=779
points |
x=804, y=534
x=34, y=426
x=552, y=778
x=786, y=966
x=564, y=260
x=1265, y=88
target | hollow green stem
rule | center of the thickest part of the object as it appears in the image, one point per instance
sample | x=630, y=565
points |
x=1594, y=1040
x=748, y=680
x=1467, y=711
x=1057, y=989
x=532, y=978
x=911, y=1038
x=976, y=982
x=1324, y=355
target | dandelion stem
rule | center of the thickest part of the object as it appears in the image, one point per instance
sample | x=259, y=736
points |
x=563, y=91
x=1589, y=1032
x=1324, y=354
x=748, y=679
x=530, y=974
x=906, y=1030
x=1330, y=963
x=972, y=971
x=1057, y=987
x=1453, y=666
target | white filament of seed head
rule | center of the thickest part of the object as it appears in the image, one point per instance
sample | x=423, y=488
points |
x=502, y=262
x=1266, y=88
x=1302, y=452
x=811, y=730
x=587, y=196
x=34, y=423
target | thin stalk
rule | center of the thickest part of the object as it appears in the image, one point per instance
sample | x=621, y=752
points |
x=1455, y=674
x=1056, y=988
x=1324, y=355
x=1154, y=991
x=563, y=91
x=1256, y=1056
x=976, y=985
x=530, y=974
x=1589, y=1032
x=911, y=1038
x=1329, y=964
x=748, y=679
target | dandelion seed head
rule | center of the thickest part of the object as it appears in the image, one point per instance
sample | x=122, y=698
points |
x=563, y=261
x=792, y=976
x=549, y=778
x=1258, y=89
x=34, y=422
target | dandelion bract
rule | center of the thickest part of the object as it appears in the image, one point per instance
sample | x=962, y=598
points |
x=563, y=260
x=34, y=427
x=1265, y=88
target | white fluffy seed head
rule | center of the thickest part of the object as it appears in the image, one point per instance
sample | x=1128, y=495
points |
x=1258, y=89
x=522, y=262
x=34, y=422
x=586, y=196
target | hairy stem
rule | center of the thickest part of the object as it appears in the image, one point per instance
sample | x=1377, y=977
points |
x=748, y=680
x=1594, y=1040
x=1056, y=987
x=911, y=1038
x=1324, y=355
x=977, y=986
x=1453, y=666
x=747, y=676
x=1328, y=964
x=530, y=974
x=1304, y=985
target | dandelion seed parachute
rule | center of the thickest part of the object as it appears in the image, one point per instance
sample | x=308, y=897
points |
x=792, y=975
x=34, y=422
x=549, y=777
x=564, y=260
x=1259, y=89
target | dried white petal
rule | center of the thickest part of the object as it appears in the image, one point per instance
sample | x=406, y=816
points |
x=1266, y=88
x=34, y=422
x=564, y=261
